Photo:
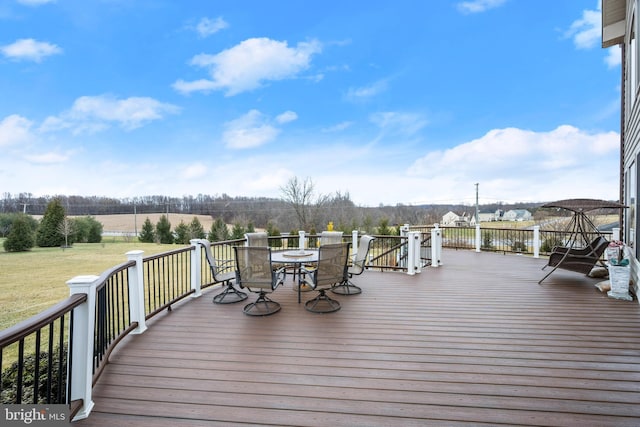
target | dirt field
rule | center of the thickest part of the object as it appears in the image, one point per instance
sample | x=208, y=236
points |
x=126, y=223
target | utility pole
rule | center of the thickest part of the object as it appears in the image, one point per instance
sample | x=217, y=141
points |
x=135, y=217
x=477, y=210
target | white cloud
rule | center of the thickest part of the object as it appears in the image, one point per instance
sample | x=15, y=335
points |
x=586, y=31
x=90, y=114
x=35, y=2
x=201, y=85
x=47, y=158
x=399, y=123
x=249, y=131
x=614, y=57
x=29, y=50
x=207, y=27
x=521, y=164
x=249, y=64
x=477, y=6
x=286, y=117
x=15, y=130
x=355, y=94
x=194, y=171
x=338, y=127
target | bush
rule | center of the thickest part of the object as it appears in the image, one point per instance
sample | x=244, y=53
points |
x=238, y=231
x=219, y=231
x=48, y=234
x=196, y=231
x=147, y=234
x=10, y=379
x=87, y=230
x=21, y=237
x=518, y=246
x=182, y=234
x=550, y=243
x=272, y=230
x=7, y=219
x=163, y=230
x=487, y=241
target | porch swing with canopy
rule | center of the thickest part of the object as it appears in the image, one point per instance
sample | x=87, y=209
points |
x=581, y=252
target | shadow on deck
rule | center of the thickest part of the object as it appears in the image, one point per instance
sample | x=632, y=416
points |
x=476, y=341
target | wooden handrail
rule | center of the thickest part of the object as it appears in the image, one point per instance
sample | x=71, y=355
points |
x=40, y=320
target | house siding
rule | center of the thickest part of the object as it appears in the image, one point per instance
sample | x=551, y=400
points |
x=630, y=102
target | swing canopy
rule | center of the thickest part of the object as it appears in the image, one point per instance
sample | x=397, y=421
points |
x=583, y=205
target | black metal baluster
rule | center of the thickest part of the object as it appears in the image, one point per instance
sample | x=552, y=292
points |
x=36, y=374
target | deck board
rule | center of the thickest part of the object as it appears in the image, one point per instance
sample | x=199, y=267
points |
x=474, y=342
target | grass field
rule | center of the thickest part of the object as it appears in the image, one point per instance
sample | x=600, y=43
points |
x=33, y=281
x=127, y=223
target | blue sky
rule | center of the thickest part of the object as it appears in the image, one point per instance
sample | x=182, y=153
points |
x=404, y=101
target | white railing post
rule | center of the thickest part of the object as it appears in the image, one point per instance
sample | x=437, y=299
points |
x=82, y=351
x=404, y=254
x=301, y=243
x=136, y=291
x=354, y=244
x=196, y=267
x=417, y=250
x=536, y=241
x=411, y=254
x=436, y=246
x=615, y=233
x=478, y=238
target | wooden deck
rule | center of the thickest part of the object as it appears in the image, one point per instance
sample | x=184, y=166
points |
x=474, y=342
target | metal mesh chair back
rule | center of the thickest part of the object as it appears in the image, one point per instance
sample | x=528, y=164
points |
x=330, y=237
x=213, y=263
x=254, y=267
x=332, y=264
x=257, y=239
x=361, y=257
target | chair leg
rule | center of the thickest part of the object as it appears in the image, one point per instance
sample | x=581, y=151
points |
x=229, y=295
x=322, y=304
x=263, y=306
x=346, y=288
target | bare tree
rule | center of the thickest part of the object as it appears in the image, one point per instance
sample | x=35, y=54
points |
x=66, y=228
x=300, y=195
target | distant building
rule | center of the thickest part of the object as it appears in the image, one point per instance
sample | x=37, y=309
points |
x=452, y=219
x=484, y=217
x=517, y=215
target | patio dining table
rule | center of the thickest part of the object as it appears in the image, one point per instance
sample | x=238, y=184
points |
x=296, y=258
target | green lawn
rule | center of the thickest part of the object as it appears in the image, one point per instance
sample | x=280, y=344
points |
x=33, y=281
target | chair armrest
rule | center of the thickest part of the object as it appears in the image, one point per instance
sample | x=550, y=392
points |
x=224, y=265
x=280, y=273
x=307, y=270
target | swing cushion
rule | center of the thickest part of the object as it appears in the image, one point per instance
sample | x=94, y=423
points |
x=579, y=260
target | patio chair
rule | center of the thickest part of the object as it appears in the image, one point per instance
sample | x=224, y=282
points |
x=260, y=238
x=230, y=294
x=254, y=272
x=579, y=260
x=356, y=268
x=331, y=269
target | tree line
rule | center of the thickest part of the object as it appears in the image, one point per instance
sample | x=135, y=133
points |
x=55, y=229
x=301, y=207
